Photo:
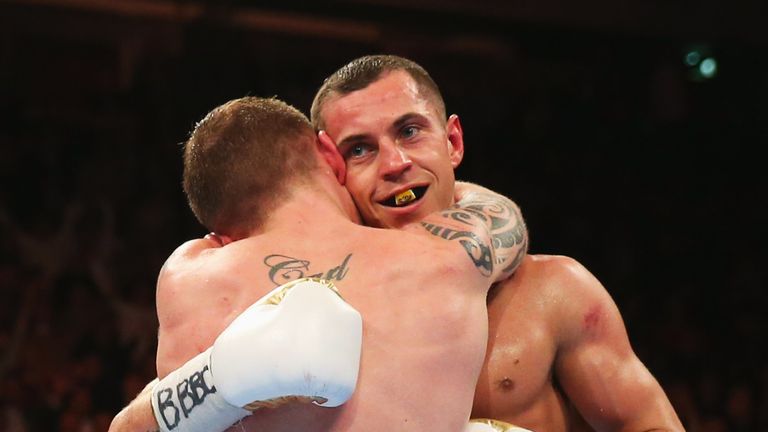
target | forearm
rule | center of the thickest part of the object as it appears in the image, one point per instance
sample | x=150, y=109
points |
x=654, y=412
x=137, y=416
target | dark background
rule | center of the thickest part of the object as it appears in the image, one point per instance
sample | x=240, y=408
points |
x=585, y=114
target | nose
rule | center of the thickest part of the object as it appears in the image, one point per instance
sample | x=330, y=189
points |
x=394, y=160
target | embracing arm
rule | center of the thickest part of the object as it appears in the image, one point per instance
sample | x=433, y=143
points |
x=597, y=367
x=251, y=364
x=174, y=346
x=489, y=226
x=137, y=416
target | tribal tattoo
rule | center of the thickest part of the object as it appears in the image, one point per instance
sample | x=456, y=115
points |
x=478, y=250
x=508, y=234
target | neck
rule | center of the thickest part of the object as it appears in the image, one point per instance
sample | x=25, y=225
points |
x=321, y=201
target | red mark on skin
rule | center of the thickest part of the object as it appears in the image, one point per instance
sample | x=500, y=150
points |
x=592, y=318
x=506, y=384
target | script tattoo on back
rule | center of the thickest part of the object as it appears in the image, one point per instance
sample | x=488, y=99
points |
x=283, y=269
x=507, y=232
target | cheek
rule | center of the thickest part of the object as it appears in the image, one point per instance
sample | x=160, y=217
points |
x=446, y=185
x=358, y=193
x=361, y=183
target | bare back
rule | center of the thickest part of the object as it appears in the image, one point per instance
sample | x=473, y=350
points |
x=424, y=319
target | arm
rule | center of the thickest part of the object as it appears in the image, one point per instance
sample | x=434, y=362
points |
x=489, y=226
x=137, y=416
x=507, y=227
x=189, y=317
x=247, y=367
x=174, y=306
x=596, y=365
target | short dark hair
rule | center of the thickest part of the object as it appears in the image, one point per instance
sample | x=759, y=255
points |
x=242, y=158
x=361, y=72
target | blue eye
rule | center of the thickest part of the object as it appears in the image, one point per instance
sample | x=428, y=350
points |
x=357, y=150
x=409, y=131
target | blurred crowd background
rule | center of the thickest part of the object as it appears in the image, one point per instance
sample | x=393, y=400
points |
x=630, y=134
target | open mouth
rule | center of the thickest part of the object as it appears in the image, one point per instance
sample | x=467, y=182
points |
x=406, y=197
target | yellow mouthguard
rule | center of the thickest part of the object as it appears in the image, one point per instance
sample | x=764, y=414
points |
x=405, y=197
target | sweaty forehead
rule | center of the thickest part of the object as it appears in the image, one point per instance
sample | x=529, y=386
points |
x=375, y=106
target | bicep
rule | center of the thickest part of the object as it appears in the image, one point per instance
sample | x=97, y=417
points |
x=601, y=374
x=610, y=387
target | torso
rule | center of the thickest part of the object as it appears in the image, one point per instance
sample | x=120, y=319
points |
x=424, y=320
x=516, y=383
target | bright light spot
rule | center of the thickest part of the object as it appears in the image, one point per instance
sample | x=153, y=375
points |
x=708, y=67
x=693, y=58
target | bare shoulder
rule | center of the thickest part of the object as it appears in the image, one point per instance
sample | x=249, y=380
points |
x=187, y=303
x=424, y=259
x=193, y=258
x=436, y=251
x=460, y=251
x=564, y=277
x=172, y=290
x=580, y=304
x=560, y=266
x=595, y=363
x=186, y=255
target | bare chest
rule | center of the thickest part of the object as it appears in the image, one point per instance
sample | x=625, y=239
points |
x=518, y=361
x=516, y=382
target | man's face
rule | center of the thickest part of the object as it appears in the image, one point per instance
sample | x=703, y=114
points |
x=394, y=141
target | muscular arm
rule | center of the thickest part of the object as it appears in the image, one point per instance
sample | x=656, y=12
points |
x=597, y=367
x=172, y=307
x=488, y=225
x=184, y=291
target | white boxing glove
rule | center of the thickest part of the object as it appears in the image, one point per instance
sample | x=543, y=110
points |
x=488, y=425
x=301, y=342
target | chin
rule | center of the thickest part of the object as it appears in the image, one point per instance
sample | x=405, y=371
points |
x=392, y=223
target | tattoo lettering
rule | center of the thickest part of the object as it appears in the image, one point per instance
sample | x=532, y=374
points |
x=479, y=252
x=283, y=268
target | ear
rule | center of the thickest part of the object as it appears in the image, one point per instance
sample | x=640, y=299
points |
x=331, y=155
x=219, y=239
x=455, y=140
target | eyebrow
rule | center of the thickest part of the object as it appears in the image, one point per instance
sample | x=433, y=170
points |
x=396, y=125
x=407, y=118
x=350, y=140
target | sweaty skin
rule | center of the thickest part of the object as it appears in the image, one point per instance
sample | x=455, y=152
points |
x=556, y=337
x=421, y=294
x=203, y=287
